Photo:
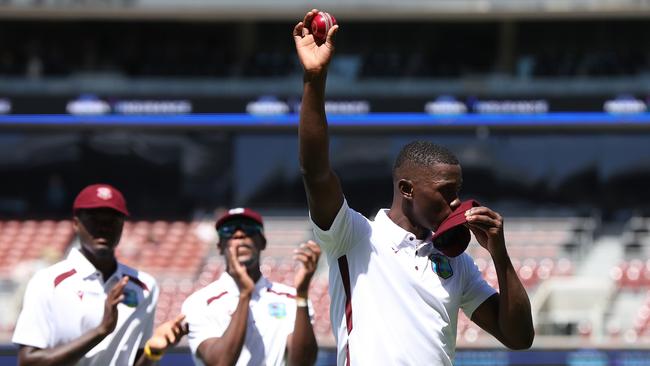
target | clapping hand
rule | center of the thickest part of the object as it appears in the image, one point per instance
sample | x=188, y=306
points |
x=307, y=254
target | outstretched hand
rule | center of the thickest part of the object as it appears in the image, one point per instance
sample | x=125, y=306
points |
x=314, y=57
x=307, y=254
x=168, y=334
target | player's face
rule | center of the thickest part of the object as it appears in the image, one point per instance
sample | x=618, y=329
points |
x=99, y=231
x=246, y=237
x=435, y=194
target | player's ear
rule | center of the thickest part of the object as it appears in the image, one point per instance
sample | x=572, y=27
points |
x=405, y=187
x=75, y=223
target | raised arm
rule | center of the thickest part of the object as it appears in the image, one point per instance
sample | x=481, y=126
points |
x=71, y=352
x=506, y=315
x=301, y=344
x=225, y=350
x=323, y=188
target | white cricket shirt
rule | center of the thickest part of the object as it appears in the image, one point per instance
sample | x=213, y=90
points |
x=66, y=300
x=271, y=318
x=395, y=299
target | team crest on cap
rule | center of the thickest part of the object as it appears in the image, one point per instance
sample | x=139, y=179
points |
x=236, y=211
x=441, y=266
x=278, y=310
x=104, y=193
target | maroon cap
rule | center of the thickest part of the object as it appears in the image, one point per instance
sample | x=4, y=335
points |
x=242, y=213
x=452, y=236
x=100, y=196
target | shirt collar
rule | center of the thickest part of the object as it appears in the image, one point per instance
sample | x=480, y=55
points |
x=396, y=234
x=86, y=269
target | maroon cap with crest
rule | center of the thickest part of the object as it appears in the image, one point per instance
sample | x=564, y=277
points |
x=452, y=236
x=100, y=196
x=240, y=212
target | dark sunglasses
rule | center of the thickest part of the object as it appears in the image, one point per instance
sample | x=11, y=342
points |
x=228, y=229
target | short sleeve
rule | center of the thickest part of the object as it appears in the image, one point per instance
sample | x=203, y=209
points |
x=475, y=289
x=342, y=235
x=204, y=322
x=33, y=327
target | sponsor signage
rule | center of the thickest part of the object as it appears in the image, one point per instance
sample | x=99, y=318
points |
x=267, y=105
x=5, y=106
x=511, y=106
x=625, y=105
x=283, y=110
x=445, y=105
x=93, y=105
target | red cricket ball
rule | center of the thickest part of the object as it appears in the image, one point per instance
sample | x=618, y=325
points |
x=321, y=24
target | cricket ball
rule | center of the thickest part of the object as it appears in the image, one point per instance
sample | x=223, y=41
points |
x=321, y=24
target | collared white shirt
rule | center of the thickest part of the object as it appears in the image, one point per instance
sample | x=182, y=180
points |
x=66, y=300
x=394, y=298
x=271, y=318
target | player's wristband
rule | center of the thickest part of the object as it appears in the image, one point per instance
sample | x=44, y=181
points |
x=151, y=355
x=301, y=302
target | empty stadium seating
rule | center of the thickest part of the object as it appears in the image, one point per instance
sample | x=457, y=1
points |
x=29, y=240
x=163, y=248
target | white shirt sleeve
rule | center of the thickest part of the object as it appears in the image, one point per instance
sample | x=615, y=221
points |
x=204, y=321
x=348, y=225
x=33, y=327
x=475, y=289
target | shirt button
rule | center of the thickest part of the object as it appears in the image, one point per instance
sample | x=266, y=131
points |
x=416, y=268
x=411, y=238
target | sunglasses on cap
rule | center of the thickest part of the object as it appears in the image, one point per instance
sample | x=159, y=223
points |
x=229, y=229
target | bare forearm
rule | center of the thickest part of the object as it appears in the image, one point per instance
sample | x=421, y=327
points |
x=304, y=349
x=312, y=131
x=65, y=354
x=515, y=317
x=226, y=350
